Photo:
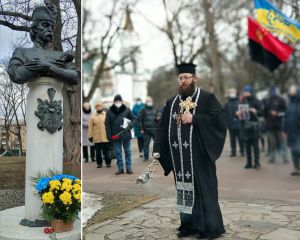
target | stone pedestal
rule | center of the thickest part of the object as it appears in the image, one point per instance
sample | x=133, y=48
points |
x=44, y=150
x=10, y=229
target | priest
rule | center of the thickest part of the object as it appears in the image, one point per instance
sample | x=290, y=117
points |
x=188, y=141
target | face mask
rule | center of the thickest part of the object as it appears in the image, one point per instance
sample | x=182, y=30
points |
x=138, y=102
x=99, y=111
x=232, y=95
x=118, y=104
x=149, y=104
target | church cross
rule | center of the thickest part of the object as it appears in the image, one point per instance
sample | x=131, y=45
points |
x=175, y=145
x=187, y=175
x=187, y=105
x=179, y=174
x=185, y=144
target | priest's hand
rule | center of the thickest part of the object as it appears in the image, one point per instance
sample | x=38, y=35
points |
x=187, y=118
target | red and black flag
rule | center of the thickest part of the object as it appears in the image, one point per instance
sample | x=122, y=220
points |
x=265, y=48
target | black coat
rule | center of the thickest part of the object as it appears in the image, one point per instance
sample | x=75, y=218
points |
x=148, y=118
x=275, y=103
x=292, y=122
x=207, y=140
x=250, y=129
x=230, y=108
x=114, y=120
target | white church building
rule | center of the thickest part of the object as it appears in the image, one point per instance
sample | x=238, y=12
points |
x=130, y=79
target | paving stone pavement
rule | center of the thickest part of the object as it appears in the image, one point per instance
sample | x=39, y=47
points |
x=263, y=220
x=10, y=198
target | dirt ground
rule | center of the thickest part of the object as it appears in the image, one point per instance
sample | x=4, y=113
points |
x=12, y=172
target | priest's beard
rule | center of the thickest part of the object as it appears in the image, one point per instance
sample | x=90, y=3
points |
x=187, y=90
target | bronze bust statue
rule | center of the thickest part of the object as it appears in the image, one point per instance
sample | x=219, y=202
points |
x=40, y=61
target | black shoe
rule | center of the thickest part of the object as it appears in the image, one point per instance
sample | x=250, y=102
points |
x=248, y=166
x=141, y=155
x=93, y=160
x=242, y=154
x=108, y=165
x=129, y=171
x=99, y=166
x=119, y=172
x=145, y=160
x=257, y=166
x=201, y=236
x=295, y=173
x=86, y=161
x=182, y=234
x=232, y=155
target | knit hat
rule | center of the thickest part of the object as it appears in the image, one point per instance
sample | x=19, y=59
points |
x=248, y=88
x=118, y=98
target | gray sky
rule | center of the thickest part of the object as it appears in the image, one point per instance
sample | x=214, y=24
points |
x=6, y=37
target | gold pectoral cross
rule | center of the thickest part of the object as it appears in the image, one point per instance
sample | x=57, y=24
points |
x=187, y=105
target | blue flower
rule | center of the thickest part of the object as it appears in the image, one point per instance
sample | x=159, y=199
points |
x=61, y=176
x=42, y=184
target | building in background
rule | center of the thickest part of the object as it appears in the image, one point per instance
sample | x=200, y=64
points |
x=129, y=79
x=8, y=138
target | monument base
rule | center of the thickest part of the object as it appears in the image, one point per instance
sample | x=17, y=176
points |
x=10, y=228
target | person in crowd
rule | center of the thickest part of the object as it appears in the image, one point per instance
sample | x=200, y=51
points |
x=138, y=106
x=148, y=120
x=97, y=135
x=274, y=112
x=118, y=123
x=249, y=110
x=86, y=144
x=292, y=127
x=233, y=123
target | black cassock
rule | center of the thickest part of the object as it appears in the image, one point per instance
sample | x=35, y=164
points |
x=190, y=152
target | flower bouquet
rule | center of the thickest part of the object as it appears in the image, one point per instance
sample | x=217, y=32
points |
x=61, y=197
x=119, y=134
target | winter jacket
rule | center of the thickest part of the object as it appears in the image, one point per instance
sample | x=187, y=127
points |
x=114, y=120
x=230, y=108
x=97, y=128
x=148, y=120
x=250, y=129
x=275, y=103
x=292, y=122
x=136, y=111
x=86, y=115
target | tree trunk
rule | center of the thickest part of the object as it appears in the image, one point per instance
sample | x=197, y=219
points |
x=72, y=106
x=217, y=83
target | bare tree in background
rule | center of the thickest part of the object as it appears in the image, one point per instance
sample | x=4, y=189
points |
x=110, y=26
x=16, y=15
x=12, y=107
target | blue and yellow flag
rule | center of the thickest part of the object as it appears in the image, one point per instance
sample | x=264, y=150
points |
x=276, y=22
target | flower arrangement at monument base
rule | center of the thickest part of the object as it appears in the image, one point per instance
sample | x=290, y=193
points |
x=61, y=198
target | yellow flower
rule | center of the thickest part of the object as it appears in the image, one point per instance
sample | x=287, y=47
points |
x=76, y=188
x=66, y=198
x=48, y=198
x=77, y=196
x=54, y=184
x=78, y=181
x=66, y=186
x=67, y=180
